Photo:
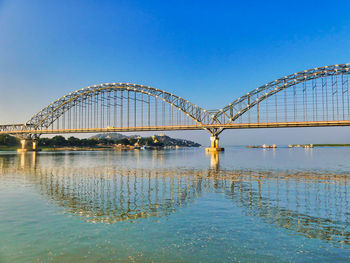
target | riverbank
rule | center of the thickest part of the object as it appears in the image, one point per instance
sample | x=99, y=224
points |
x=8, y=148
x=333, y=145
x=53, y=149
x=320, y=145
x=100, y=142
x=100, y=148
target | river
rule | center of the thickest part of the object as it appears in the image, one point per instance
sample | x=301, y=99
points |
x=247, y=205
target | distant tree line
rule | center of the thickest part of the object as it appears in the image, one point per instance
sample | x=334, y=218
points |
x=59, y=141
x=8, y=140
x=132, y=141
x=150, y=142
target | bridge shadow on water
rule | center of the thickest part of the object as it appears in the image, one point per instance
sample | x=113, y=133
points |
x=315, y=205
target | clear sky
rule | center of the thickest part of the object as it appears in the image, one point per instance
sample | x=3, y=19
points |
x=209, y=52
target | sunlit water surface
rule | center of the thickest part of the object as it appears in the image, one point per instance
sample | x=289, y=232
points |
x=248, y=205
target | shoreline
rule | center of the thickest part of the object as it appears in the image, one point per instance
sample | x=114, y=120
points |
x=57, y=149
x=106, y=148
x=332, y=145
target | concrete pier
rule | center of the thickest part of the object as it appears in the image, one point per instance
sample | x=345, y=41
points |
x=214, y=139
x=28, y=145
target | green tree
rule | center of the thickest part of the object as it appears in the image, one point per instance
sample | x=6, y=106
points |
x=44, y=142
x=58, y=141
x=124, y=141
x=73, y=141
x=8, y=140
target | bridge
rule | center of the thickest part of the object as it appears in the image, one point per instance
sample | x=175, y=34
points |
x=316, y=97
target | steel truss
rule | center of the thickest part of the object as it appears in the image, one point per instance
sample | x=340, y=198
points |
x=113, y=96
x=240, y=106
x=315, y=97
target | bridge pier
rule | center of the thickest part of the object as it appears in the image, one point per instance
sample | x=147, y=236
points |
x=28, y=145
x=214, y=147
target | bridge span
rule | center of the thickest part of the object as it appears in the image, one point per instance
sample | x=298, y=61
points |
x=316, y=97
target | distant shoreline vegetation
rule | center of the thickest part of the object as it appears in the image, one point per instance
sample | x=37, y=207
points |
x=333, y=145
x=108, y=140
x=302, y=145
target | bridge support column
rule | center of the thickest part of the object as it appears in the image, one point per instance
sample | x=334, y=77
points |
x=214, y=139
x=25, y=146
x=34, y=145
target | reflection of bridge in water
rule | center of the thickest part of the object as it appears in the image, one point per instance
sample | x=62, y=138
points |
x=313, y=205
x=311, y=98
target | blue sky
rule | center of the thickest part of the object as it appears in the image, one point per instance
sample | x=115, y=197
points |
x=209, y=52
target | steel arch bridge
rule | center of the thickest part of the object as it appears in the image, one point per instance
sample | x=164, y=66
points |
x=310, y=98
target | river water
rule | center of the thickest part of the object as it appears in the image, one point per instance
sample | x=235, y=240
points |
x=246, y=205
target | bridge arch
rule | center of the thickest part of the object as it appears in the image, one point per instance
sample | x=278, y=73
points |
x=305, y=96
x=112, y=97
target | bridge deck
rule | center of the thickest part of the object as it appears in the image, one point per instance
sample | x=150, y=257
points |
x=182, y=127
